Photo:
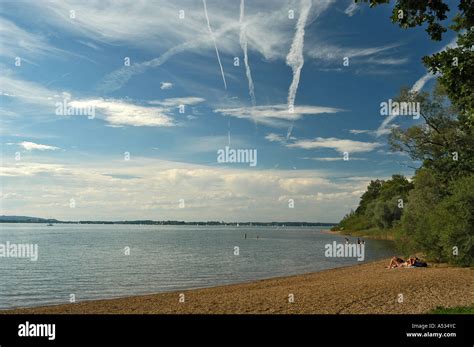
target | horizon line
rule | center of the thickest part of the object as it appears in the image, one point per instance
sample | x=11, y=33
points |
x=16, y=219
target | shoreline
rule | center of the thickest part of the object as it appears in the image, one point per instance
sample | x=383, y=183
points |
x=355, y=289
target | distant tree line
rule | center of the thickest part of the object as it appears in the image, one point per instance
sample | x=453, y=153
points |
x=24, y=219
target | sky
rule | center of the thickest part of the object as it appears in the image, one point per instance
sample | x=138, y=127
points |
x=117, y=110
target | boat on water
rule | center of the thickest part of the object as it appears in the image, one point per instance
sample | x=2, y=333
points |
x=49, y=224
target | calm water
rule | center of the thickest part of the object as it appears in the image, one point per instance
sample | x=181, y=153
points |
x=89, y=260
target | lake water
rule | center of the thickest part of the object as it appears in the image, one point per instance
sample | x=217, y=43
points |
x=90, y=261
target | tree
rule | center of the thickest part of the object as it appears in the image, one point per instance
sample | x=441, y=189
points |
x=372, y=193
x=379, y=206
x=390, y=203
x=416, y=235
x=441, y=143
x=453, y=220
x=386, y=213
x=439, y=225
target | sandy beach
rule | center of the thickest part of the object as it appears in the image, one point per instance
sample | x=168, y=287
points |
x=359, y=289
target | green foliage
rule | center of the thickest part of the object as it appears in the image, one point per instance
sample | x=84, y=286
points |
x=453, y=221
x=413, y=13
x=415, y=234
x=354, y=221
x=438, y=211
x=455, y=67
x=438, y=216
x=372, y=193
x=379, y=205
x=453, y=310
x=386, y=213
x=435, y=221
x=389, y=206
x=440, y=139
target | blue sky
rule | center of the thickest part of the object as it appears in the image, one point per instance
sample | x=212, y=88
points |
x=77, y=167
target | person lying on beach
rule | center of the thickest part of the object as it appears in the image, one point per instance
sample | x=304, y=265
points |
x=415, y=262
x=395, y=262
x=411, y=262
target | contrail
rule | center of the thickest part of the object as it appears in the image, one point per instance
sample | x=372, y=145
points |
x=116, y=79
x=421, y=82
x=416, y=88
x=290, y=130
x=295, y=58
x=215, y=44
x=243, y=44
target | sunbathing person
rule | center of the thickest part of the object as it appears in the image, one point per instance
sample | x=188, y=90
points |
x=396, y=262
x=415, y=262
x=411, y=262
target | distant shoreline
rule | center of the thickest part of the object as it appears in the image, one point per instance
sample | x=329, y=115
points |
x=22, y=219
x=359, y=289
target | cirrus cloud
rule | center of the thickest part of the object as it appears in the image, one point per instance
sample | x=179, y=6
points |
x=31, y=146
x=119, y=113
x=340, y=145
x=273, y=115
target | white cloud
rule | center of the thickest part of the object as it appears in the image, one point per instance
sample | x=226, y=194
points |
x=90, y=45
x=118, y=112
x=211, y=144
x=166, y=85
x=28, y=92
x=387, y=61
x=331, y=158
x=275, y=138
x=384, y=152
x=155, y=26
x=359, y=131
x=273, y=114
x=352, y=9
x=30, y=146
x=331, y=52
x=115, y=112
x=340, y=145
x=17, y=42
x=22, y=169
x=173, y=102
x=267, y=31
x=209, y=192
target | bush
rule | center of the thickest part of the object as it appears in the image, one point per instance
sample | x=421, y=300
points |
x=453, y=221
x=435, y=221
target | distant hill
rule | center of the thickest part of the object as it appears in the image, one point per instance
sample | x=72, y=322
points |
x=25, y=219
